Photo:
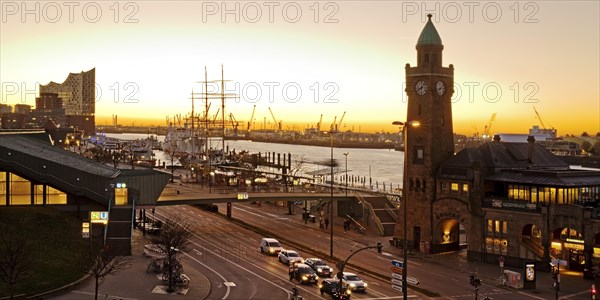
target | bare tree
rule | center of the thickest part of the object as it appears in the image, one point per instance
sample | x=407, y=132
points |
x=105, y=263
x=174, y=237
x=16, y=260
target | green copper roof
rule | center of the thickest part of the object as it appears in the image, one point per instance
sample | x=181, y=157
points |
x=429, y=35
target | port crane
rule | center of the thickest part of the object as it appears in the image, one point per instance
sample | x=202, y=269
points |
x=539, y=118
x=251, y=119
x=278, y=124
x=234, y=123
x=488, y=128
x=338, y=125
x=319, y=124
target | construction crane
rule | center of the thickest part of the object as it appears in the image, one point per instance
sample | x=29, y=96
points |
x=539, y=118
x=488, y=128
x=278, y=124
x=251, y=119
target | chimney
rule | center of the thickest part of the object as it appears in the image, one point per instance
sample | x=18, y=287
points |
x=530, y=144
x=496, y=138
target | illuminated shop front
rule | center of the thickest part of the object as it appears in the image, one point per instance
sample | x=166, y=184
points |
x=567, y=244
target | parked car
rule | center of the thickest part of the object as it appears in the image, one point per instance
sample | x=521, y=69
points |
x=330, y=286
x=319, y=266
x=289, y=256
x=270, y=246
x=304, y=273
x=353, y=282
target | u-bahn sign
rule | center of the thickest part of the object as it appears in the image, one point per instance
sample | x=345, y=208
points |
x=99, y=217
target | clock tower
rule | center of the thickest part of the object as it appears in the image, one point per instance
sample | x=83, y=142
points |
x=429, y=87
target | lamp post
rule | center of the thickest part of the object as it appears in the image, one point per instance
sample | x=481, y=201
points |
x=340, y=275
x=331, y=133
x=346, y=174
x=405, y=202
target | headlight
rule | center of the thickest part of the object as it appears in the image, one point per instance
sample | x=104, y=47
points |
x=271, y=250
x=348, y=292
x=320, y=286
x=316, y=277
x=319, y=270
x=304, y=277
x=353, y=285
x=365, y=284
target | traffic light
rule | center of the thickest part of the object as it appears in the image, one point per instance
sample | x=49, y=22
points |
x=593, y=291
x=379, y=247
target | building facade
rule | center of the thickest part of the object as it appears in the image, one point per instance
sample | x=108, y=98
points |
x=515, y=200
x=78, y=92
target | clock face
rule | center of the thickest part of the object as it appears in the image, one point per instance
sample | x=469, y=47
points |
x=421, y=88
x=441, y=89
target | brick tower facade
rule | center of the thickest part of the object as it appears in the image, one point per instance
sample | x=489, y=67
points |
x=429, y=87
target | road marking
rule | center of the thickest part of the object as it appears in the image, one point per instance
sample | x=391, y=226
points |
x=211, y=269
x=576, y=294
x=100, y=294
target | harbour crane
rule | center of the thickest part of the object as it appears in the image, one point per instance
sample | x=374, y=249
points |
x=278, y=124
x=539, y=118
x=251, y=119
x=488, y=128
x=319, y=124
x=338, y=125
x=333, y=125
x=234, y=123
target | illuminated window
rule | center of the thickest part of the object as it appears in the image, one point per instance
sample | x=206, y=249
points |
x=490, y=225
x=20, y=190
x=497, y=226
x=454, y=186
x=2, y=188
x=120, y=196
x=465, y=188
x=54, y=196
x=504, y=227
x=38, y=194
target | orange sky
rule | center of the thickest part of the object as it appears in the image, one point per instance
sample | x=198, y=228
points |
x=346, y=56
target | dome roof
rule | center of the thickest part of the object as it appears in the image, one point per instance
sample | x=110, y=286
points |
x=429, y=35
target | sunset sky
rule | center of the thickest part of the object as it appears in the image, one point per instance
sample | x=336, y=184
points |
x=149, y=55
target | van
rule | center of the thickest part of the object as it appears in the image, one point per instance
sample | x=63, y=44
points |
x=270, y=246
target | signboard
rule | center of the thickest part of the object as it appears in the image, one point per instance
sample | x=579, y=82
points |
x=397, y=276
x=397, y=287
x=397, y=282
x=99, y=217
x=85, y=230
x=397, y=270
x=242, y=196
x=559, y=262
x=397, y=263
x=412, y=280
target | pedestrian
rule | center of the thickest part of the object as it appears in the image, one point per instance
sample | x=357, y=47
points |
x=326, y=223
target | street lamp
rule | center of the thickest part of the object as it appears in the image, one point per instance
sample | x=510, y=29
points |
x=340, y=274
x=405, y=126
x=346, y=174
x=331, y=133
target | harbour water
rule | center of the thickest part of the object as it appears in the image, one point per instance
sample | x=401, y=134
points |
x=377, y=166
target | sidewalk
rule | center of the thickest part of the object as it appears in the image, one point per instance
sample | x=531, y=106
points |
x=136, y=283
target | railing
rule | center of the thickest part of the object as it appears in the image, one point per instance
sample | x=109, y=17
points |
x=536, y=248
x=391, y=212
x=358, y=227
x=374, y=217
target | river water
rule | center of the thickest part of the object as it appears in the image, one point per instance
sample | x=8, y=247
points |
x=377, y=166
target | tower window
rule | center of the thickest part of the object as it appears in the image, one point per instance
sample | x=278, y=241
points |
x=427, y=58
x=435, y=59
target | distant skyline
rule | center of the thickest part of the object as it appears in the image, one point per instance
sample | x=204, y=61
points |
x=344, y=56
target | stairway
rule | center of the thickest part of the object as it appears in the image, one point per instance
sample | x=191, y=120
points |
x=379, y=208
x=118, y=237
x=536, y=248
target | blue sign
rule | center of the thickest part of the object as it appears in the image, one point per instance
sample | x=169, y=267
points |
x=397, y=263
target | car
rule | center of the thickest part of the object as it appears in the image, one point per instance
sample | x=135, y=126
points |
x=319, y=266
x=270, y=246
x=289, y=256
x=331, y=286
x=304, y=273
x=354, y=282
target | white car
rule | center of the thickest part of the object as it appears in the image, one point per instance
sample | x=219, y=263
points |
x=270, y=246
x=353, y=282
x=289, y=256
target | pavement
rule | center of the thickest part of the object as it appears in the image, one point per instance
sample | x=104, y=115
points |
x=136, y=283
